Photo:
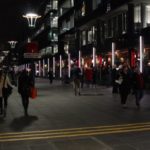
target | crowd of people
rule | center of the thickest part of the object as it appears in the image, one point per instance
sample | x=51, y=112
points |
x=123, y=79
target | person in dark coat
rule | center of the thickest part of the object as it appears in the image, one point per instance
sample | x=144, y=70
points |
x=114, y=77
x=138, y=86
x=124, y=85
x=24, y=85
x=50, y=76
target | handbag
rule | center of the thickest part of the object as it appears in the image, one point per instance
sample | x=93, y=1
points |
x=33, y=92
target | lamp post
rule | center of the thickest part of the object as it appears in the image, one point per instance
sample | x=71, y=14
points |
x=32, y=18
x=12, y=54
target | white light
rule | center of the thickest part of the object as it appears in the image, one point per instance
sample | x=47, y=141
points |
x=94, y=56
x=43, y=68
x=79, y=59
x=53, y=66
x=12, y=43
x=60, y=66
x=39, y=68
x=69, y=65
x=141, y=53
x=48, y=62
x=31, y=17
x=113, y=53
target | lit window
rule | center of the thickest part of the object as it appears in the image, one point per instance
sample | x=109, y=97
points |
x=83, y=9
x=148, y=14
x=137, y=14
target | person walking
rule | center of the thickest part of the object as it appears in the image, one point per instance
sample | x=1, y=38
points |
x=1, y=95
x=75, y=75
x=24, y=85
x=138, y=86
x=7, y=90
x=114, y=77
x=124, y=85
x=50, y=76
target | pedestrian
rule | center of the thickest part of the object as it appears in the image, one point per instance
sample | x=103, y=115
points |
x=1, y=96
x=94, y=76
x=124, y=85
x=138, y=86
x=7, y=90
x=114, y=77
x=76, y=75
x=24, y=85
x=50, y=76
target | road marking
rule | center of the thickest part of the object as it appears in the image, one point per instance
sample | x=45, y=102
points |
x=74, y=132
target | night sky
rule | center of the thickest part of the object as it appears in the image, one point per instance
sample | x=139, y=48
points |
x=12, y=25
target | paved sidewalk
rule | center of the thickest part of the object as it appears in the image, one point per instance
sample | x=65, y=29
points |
x=57, y=108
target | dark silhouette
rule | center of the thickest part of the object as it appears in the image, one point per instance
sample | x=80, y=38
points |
x=24, y=85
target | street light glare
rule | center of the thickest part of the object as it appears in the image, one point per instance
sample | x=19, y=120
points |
x=31, y=15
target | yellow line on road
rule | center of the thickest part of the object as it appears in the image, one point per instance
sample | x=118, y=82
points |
x=72, y=129
x=74, y=132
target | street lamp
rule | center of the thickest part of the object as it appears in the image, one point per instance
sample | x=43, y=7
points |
x=32, y=18
x=12, y=44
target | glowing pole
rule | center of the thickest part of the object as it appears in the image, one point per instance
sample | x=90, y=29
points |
x=80, y=59
x=60, y=66
x=53, y=66
x=43, y=67
x=39, y=68
x=141, y=53
x=94, y=56
x=113, y=53
x=48, y=64
x=69, y=65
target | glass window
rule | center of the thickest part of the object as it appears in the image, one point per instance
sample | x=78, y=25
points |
x=147, y=18
x=55, y=4
x=137, y=14
x=90, y=36
x=72, y=3
x=83, y=9
x=83, y=37
x=55, y=49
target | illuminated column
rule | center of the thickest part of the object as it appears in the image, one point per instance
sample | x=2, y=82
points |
x=141, y=53
x=69, y=65
x=36, y=66
x=48, y=64
x=39, y=68
x=80, y=59
x=113, y=53
x=60, y=66
x=43, y=67
x=53, y=66
x=94, y=56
